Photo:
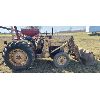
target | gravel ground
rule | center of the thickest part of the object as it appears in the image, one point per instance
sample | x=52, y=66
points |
x=47, y=66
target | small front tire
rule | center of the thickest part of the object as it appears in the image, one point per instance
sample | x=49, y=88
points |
x=61, y=60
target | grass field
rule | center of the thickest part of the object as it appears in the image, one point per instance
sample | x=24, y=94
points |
x=83, y=40
x=91, y=43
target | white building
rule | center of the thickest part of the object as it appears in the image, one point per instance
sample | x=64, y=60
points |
x=92, y=29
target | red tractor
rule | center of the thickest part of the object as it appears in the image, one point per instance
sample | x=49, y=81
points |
x=29, y=45
x=20, y=53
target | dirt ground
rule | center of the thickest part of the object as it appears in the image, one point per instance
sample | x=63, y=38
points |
x=47, y=66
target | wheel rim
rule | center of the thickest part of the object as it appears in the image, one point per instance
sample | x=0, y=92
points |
x=18, y=57
x=61, y=60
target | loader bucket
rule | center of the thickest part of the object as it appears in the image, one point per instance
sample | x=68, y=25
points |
x=87, y=57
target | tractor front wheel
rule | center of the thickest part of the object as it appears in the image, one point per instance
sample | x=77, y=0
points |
x=61, y=60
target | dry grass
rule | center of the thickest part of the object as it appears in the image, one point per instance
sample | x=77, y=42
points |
x=91, y=43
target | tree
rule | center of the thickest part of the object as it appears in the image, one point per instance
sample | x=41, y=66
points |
x=70, y=29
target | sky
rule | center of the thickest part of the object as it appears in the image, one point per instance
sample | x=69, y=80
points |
x=49, y=28
x=60, y=28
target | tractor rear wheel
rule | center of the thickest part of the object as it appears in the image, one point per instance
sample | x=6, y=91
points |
x=18, y=55
x=61, y=60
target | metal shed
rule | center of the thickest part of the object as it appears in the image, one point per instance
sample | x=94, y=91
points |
x=92, y=29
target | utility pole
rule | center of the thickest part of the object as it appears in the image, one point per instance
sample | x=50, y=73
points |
x=46, y=32
x=52, y=31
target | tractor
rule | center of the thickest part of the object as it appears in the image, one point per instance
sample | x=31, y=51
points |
x=29, y=45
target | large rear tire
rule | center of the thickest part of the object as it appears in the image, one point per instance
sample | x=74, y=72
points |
x=18, y=55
